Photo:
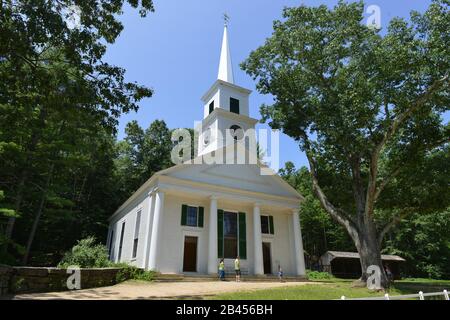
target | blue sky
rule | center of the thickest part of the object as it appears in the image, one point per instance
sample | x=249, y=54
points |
x=176, y=49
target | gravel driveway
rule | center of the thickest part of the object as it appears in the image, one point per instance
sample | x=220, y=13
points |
x=157, y=290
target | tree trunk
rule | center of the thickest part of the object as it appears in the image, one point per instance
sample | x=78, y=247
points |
x=17, y=206
x=37, y=218
x=369, y=251
x=360, y=227
x=35, y=137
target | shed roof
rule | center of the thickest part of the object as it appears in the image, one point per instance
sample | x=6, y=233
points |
x=355, y=255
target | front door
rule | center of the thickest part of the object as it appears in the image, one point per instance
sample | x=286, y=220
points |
x=266, y=258
x=190, y=254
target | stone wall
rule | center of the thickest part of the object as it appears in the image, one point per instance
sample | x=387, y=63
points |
x=29, y=279
x=5, y=276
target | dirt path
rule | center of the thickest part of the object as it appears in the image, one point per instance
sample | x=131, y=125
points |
x=157, y=290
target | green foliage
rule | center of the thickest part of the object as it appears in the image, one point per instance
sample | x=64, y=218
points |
x=424, y=241
x=316, y=275
x=18, y=284
x=365, y=107
x=129, y=272
x=59, y=108
x=5, y=257
x=339, y=86
x=87, y=253
x=320, y=233
x=6, y=212
x=141, y=154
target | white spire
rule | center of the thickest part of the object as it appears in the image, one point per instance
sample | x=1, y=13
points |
x=225, y=66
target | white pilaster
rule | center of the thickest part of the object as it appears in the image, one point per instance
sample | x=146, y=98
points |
x=298, y=245
x=212, y=250
x=257, y=241
x=148, y=228
x=156, y=230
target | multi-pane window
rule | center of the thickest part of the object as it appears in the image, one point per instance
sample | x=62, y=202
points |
x=234, y=105
x=230, y=234
x=267, y=225
x=192, y=216
x=121, y=241
x=136, y=233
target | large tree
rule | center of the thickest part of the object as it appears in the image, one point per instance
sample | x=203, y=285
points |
x=362, y=103
x=419, y=193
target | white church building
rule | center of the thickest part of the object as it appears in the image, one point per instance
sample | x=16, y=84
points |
x=184, y=219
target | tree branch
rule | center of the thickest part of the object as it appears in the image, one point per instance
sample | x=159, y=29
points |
x=385, y=182
x=402, y=117
x=397, y=170
x=358, y=190
x=396, y=220
x=391, y=131
x=339, y=215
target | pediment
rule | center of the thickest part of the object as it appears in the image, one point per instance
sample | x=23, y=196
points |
x=246, y=177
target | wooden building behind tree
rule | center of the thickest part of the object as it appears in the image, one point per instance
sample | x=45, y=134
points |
x=347, y=264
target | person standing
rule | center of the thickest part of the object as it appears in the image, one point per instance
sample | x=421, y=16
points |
x=389, y=275
x=222, y=270
x=237, y=269
x=280, y=273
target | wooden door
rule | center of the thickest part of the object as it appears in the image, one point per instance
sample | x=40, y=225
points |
x=190, y=254
x=266, y=258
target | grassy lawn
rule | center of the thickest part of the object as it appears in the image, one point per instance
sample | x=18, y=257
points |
x=333, y=290
x=425, y=285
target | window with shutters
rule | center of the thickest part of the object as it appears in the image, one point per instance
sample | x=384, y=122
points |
x=232, y=238
x=267, y=225
x=230, y=235
x=192, y=216
x=136, y=234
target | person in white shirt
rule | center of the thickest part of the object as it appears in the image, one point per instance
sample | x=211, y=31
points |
x=237, y=269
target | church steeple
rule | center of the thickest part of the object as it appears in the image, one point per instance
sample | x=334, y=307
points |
x=225, y=105
x=225, y=66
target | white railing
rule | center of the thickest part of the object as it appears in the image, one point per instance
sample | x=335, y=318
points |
x=419, y=295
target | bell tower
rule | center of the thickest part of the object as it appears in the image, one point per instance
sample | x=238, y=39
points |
x=226, y=105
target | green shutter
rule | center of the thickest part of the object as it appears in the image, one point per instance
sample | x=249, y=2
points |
x=271, y=224
x=183, y=215
x=200, y=216
x=242, y=236
x=220, y=233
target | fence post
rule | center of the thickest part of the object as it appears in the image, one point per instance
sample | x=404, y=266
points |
x=446, y=295
x=386, y=296
x=421, y=297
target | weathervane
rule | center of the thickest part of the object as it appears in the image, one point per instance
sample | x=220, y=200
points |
x=226, y=19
